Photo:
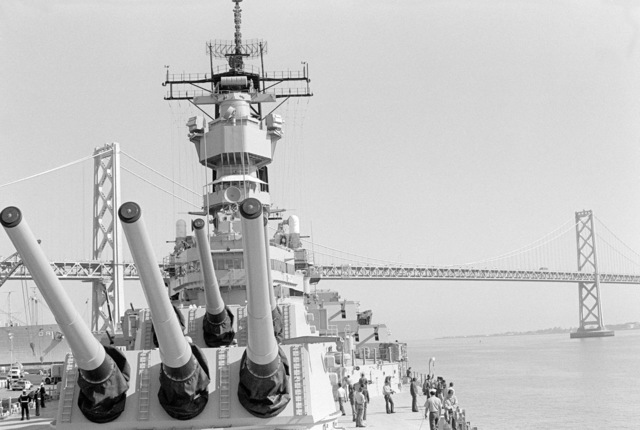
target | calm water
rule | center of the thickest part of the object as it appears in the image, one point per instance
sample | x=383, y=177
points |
x=540, y=382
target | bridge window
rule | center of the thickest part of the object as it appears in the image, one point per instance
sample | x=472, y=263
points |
x=228, y=261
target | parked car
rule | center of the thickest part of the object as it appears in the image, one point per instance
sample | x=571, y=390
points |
x=20, y=384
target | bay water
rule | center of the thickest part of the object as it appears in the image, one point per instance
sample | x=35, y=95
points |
x=539, y=381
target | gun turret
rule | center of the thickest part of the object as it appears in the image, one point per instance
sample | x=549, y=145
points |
x=217, y=323
x=263, y=389
x=184, y=375
x=104, y=372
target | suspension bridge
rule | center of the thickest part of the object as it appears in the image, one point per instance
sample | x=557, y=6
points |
x=604, y=258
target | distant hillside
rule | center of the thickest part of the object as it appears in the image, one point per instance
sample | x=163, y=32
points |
x=554, y=330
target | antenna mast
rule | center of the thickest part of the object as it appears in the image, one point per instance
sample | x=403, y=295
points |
x=281, y=84
x=235, y=60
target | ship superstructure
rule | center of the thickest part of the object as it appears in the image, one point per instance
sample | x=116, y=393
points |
x=237, y=141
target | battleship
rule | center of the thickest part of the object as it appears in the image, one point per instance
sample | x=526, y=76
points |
x=237, y=332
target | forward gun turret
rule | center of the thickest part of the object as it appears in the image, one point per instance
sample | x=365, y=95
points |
x=184, y=375
x=104, y=372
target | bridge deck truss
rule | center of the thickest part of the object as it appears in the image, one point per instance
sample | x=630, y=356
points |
x=95, y=270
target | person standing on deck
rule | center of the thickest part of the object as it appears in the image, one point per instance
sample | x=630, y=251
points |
x=350, y=392
x=426, y=386
x=43, y=394
x=36, y=399
x=433, y=407
x=360, y=403
x=450, y=407
x=365, y=391
x=24, y=404
x=414, y=395
x=342, y=396
x=387, y=391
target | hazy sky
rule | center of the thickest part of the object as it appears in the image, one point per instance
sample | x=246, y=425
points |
x=439, y=132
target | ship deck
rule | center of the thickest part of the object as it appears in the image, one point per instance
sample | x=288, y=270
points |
x=403, y=418
x=12, y=421
x=377, y=418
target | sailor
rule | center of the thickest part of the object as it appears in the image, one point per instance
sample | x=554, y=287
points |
x=43, y=394
x=24, y=404
x=36, y=400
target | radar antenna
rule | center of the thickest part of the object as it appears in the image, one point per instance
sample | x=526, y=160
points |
x=187, y=86
x=235, y=60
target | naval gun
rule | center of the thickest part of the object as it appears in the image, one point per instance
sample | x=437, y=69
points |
x=184, y=374
x=217, y=323
x=264, y=370
x=104, y=372
x=249, y=387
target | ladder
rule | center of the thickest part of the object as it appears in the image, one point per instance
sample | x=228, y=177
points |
x=143, y=386
x=286, y=321
x=71, y=377
x=242, y=326
x=223, y=380
x=297, y=378
x=191, y=326
x=146, y=326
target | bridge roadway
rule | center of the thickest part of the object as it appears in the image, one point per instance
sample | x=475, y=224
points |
x=95, y=270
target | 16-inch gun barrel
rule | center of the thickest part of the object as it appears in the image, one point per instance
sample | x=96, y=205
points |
x=217, y=324
x=104, y=372
x=213, y=298
x=263, y=389
x=184, y=377
x=174, y=348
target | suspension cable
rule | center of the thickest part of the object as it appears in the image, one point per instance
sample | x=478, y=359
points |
x=160, y=188
x=50, y=170
x=159, y=173
x=614, y=235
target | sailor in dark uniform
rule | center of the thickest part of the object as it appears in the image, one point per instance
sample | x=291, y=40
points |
x=43, y=393
x=24, y=404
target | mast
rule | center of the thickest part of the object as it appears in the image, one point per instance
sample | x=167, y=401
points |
x=235, y=140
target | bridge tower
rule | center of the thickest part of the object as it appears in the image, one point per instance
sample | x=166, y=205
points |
x=108, y=294
x=590, y=311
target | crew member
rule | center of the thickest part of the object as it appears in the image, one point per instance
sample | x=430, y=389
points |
x=43, y=394
x=36, y=399
x=24, y=404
